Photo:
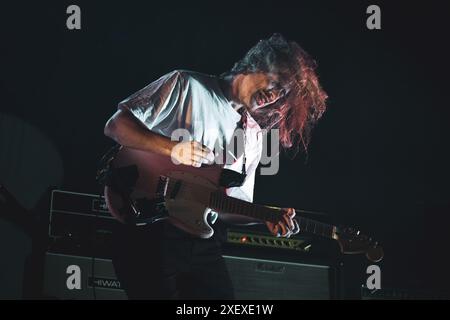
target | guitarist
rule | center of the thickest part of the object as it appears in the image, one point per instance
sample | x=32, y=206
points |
x=273, y=87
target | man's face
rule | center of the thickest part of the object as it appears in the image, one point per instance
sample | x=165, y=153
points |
x=259, y=90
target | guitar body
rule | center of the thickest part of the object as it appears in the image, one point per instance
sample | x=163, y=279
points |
x=179, y=192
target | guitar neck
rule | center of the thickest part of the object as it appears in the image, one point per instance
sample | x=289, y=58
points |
x=223, y=203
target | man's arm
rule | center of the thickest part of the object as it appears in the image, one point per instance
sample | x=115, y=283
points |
x=127, y=130
x=124, y=128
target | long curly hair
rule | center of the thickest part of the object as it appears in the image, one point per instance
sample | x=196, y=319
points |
x=304, y=102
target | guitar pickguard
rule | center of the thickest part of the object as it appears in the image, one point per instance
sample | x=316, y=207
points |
x=186, y=200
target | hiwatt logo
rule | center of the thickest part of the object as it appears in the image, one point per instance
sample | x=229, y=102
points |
x=106, y=283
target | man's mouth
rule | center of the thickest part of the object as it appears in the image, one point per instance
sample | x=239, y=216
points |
x=259, y=100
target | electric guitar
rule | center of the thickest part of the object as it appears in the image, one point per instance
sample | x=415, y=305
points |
x=143, y=187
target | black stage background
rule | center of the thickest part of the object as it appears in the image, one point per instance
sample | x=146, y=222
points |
x=369, y=164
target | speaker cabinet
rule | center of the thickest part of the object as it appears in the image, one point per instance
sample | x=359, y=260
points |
x=256, y=278
x=77, y=277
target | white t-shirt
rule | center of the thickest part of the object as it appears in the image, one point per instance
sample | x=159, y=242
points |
x=195, y=101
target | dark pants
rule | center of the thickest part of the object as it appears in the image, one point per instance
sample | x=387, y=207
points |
x=162, y=262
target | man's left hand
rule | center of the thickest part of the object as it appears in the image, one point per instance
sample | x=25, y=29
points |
x=287, y=226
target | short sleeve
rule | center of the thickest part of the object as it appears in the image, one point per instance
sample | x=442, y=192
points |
x=157, y=101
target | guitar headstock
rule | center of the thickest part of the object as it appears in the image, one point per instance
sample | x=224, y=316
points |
x=352, y=241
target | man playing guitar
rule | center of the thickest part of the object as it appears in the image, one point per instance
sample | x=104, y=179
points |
x=273, y=87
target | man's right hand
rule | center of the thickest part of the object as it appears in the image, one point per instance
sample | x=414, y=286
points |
x=191, y=153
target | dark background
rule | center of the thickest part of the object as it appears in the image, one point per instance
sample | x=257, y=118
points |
x=377, y=157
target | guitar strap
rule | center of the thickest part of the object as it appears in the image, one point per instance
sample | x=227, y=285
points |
x=230, y=178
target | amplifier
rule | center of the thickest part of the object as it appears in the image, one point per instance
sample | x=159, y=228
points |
x=78, y=221
x=278, y=279
x=258, y=239
x=284, y=270
x=86, y=278
x=80, y=278
x=73, y=269
x=69, y=208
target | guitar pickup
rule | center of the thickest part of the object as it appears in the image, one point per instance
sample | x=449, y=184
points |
x=161, y=188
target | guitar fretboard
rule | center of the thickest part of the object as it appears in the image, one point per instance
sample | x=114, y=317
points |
x=223, y=203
